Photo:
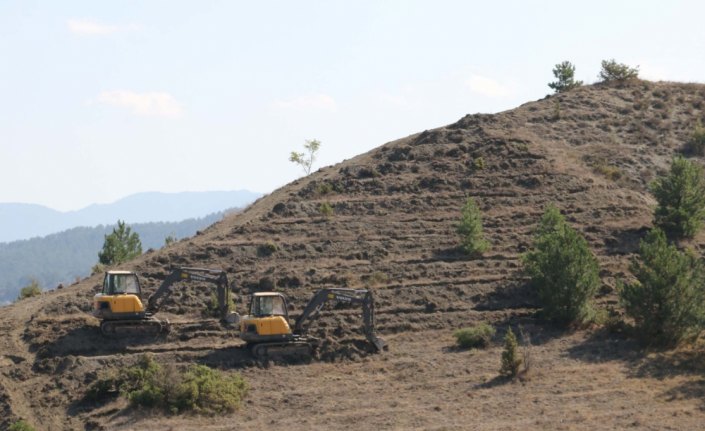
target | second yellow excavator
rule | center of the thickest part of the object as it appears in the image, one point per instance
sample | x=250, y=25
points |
x=268, y=332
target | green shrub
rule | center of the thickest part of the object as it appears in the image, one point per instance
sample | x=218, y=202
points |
x=475, y=336
x=267, y=249
x=470, y=229
x=613, y=71
x=681, y=199
x=511, y=358
x=565, y=77
x=479, y=163
x=170, y=239
x=30, y=290
x=667, y=302
x=324, y=189
x=696, y=145
x=563, y=270
x=151, y=385
x=21, y=425
x=610, y=172
x=325, y=209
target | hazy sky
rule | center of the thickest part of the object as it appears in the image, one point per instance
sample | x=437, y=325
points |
x=101, y=99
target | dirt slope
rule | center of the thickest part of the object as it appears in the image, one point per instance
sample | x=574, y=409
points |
x=591, y=152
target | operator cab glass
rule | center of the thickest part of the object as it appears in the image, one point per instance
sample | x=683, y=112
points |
x=117, y=284
x=273, y=305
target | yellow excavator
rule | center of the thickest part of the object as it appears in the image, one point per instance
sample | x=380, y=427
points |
x=123, y=312
x=268, y=332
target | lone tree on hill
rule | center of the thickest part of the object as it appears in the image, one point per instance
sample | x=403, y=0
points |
x=305, y=160
x=681, y=199
x=511, y=358
x=667, y=302
x=565, y=77
x=120, y=246
x=563, y=270
x=613, y=71
x=470, y=229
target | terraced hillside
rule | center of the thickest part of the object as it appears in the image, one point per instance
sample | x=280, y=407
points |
x=591, y=152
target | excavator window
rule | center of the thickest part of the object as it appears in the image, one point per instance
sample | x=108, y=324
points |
x=269, y=306
x=116, y=284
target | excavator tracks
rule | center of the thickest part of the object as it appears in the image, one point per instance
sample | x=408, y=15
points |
x=297, y=351
x=134, y=328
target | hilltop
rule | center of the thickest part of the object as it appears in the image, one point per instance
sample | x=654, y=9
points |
x=591, y=152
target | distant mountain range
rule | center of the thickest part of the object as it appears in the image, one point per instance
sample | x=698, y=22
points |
x=23, y=221
x=62, y=257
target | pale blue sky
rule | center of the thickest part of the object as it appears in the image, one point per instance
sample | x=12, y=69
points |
x=101, y=99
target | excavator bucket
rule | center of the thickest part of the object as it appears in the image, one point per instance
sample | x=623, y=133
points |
x=377, y=342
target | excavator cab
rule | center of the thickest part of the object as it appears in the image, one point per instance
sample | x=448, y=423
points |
x=116, y=283
x=268, y=319
x=120, y=297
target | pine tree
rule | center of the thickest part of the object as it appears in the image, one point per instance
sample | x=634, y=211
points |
x=565, y=76
x=681, y=199
x=120, y=246
x=613, y=71
x=667, y=302
x=563, y=270
x=470, y=229
x=511, y=359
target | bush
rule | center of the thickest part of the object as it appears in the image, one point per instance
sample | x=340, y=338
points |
x=479, y=163
x=565, y=75
x=324, y=189
x=667, y=302
x=30, y=290
x=470, y=229
x=696, y=145
x=325, y=209
x=681, y=199
x=21, y=425
x=613, y=71
x=511, y=359
x=266, y=249
x=474, y=336
x=563, y=270
x=151, y=385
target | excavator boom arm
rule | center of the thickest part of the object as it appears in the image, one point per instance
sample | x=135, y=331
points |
x=214, y=276
x=348, y=296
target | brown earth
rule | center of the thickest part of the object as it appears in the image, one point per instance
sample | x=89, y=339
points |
x=591, y=152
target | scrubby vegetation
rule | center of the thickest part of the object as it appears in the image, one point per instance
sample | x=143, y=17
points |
x=696, y=145
x=477, y=336
x=267, y=249
x=667, y=302
x=30, y=290
x=21, y=425
x=470, y=229
x=325, y=209
x=681, y=199
x=151, y=385
x=563, y=270
x=613, y=71
x=565, y=77
x=511, y=358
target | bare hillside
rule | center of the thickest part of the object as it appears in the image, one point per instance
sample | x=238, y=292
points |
x=591, y=152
